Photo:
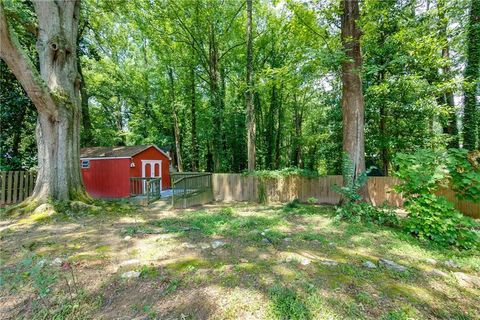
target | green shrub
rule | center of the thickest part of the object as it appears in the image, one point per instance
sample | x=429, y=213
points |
x=365, y=212
x=352, y=207
x=464, y=171
x=433, y=217
x=282, y=173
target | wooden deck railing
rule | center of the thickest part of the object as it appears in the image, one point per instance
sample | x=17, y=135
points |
x=16, y=186
x=146, y=187
x=191, y=188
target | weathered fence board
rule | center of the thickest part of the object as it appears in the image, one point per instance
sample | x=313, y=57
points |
x=238, y=187
x=15, y=186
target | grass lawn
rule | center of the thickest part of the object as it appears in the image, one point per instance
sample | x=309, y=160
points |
x=241, y=261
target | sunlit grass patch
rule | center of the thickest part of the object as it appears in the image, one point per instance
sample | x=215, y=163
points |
x=285, y=303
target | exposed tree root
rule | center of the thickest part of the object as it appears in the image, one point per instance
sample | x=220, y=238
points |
x=80, y=200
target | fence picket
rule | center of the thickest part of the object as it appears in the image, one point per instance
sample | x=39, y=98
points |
x=3, y=177
x=15, y=186
x=236, y=187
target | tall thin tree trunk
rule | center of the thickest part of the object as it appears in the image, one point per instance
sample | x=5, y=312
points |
x=472, y=78
x=297, y=147
x=87, y=135
x=176, y=128
x=450, y=127
x=353, y=108
x=215, y=99
x=280, y=120
x=251, y=124
x=270, y=128
x=193, y=120
x=55, y=92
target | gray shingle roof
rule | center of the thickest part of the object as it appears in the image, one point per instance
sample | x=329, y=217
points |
x=114, y=152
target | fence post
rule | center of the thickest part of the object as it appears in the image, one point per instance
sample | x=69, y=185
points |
x=3, y=178
x=148, y=191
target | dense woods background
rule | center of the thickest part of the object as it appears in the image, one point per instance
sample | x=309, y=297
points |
x=174, y=73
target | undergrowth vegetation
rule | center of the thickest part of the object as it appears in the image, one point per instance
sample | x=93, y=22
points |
x=430, y=215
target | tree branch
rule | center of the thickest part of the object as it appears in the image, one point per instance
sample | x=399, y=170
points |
x=23, y=69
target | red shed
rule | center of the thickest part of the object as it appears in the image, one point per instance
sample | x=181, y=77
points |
x=106, y=171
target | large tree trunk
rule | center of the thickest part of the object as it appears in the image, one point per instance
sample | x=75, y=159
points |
x=251, y=124
x=472, y=77
x=56, y=95
x=353, y=108
x=176, y=128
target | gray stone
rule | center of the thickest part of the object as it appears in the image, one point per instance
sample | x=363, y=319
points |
x=287, y=239
x=44, y=208
x=369, y=265
x=41, y=263
x=329, y=263
x=392, y=265
x=430, y=261
x=56, y=262
x=466, y=280
x=331, y=244
x=188, y=245
x=437, y=273
x=265, y=241
x=451, y=264
x=130, y=274
x=79, y=205
x=129, y=262
x=305, y=261
x=218, y=243
x=204, y=246
x=127, y=238
x=243, y=260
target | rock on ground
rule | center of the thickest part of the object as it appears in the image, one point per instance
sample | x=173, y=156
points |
x=329, y=263
x=218, y=243
x=56, y=262
x=392, y=265
x=44, y=208
x=451, y=264
x=430, y=261
x=130, y=274
x=369, y=265
x=466, y=280
x=438, y=273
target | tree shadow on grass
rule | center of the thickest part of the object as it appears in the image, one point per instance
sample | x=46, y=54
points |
x=274, y=269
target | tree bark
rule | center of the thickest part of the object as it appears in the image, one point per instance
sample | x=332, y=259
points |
x=251, y=124
x=193, y=115
x=176, y=128
x=450, y=125
x=215, y=99
x=298, y=119
x=353, y=107
x=470, y=111
x=87, y=135
x=55, y=92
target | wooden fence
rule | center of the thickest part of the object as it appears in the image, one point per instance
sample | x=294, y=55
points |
x=237, y=187
x=16, y=186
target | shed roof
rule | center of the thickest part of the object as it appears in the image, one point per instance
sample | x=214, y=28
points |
x=116, y=152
